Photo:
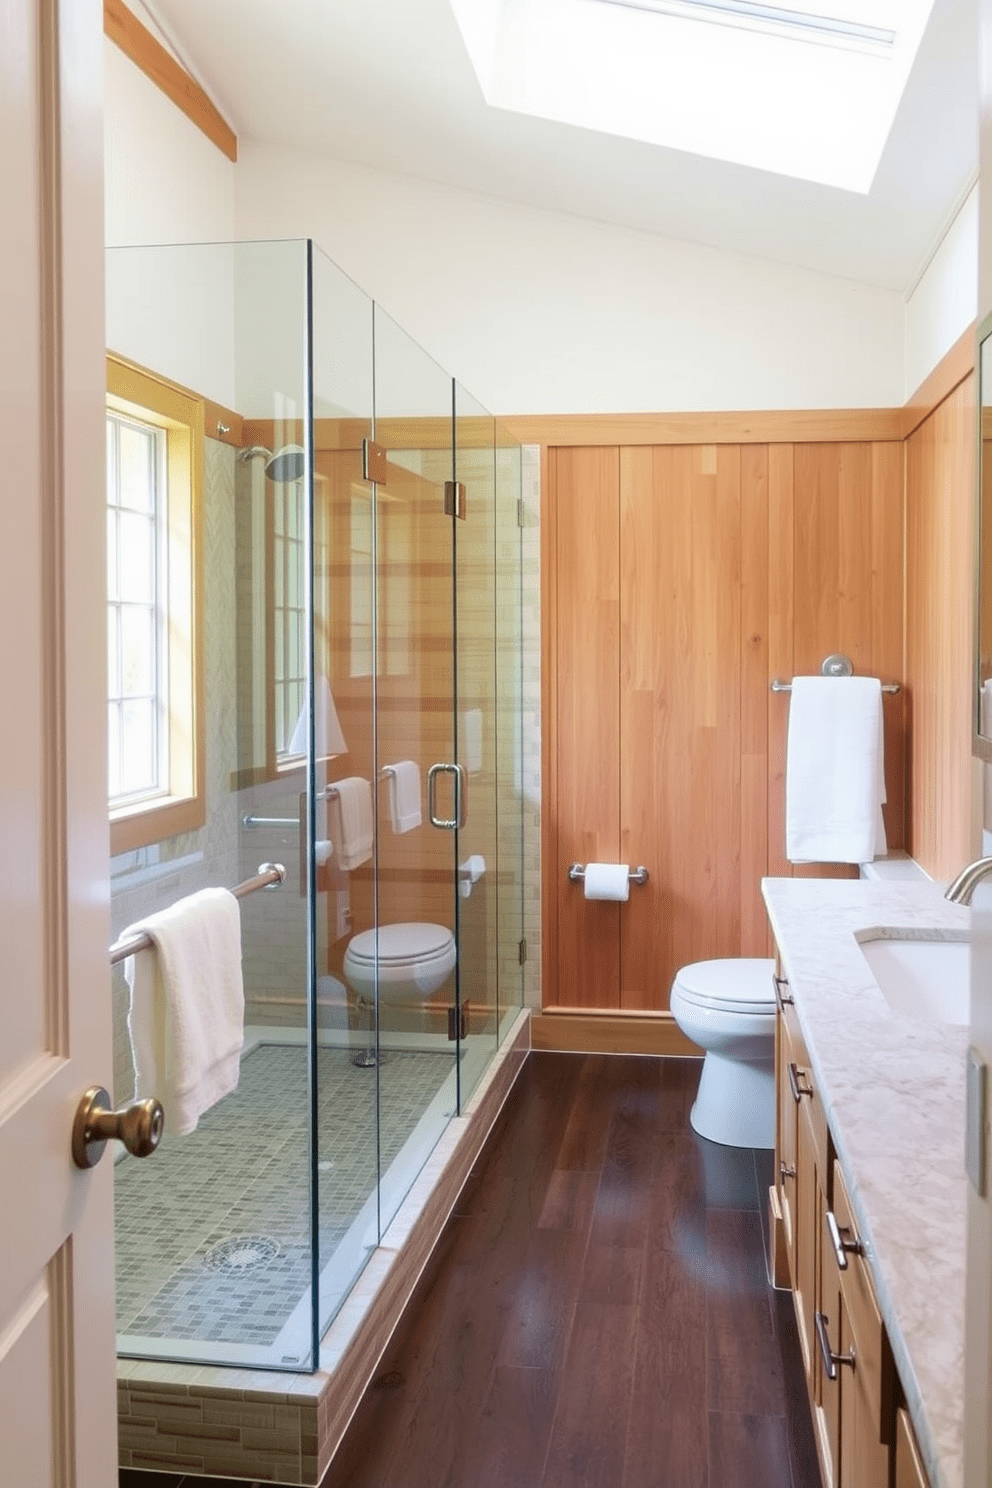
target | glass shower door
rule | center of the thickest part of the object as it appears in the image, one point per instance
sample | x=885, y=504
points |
x=417, y=791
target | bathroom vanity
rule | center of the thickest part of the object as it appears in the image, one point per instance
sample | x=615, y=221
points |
x=867, y=1212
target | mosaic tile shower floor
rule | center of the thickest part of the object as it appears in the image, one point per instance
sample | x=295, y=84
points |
x=212, y=1235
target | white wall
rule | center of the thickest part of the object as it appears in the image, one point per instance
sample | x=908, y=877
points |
x=945, y=300
x=165, y=183
x=537, y=312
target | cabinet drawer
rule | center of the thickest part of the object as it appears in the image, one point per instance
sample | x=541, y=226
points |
x=909, y=1468
x=876, y=1368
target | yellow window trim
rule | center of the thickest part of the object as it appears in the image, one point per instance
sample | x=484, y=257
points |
x=131, y=390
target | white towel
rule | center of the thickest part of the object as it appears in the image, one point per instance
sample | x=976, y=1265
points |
x=404, y=795
x=835, y=771
x=187, y=1006
x=352, y=820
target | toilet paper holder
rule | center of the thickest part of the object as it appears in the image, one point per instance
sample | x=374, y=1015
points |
x=577, y=873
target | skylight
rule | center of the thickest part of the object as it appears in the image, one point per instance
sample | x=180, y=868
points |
x=801, y=90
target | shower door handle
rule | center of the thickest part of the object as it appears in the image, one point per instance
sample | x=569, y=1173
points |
x=458, y=820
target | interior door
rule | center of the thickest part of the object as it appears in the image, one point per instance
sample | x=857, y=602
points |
x=57, y=1392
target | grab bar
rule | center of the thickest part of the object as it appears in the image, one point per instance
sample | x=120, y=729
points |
x=329, y=793
x=269, y=876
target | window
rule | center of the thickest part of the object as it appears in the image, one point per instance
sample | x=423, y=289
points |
x=289, y=618
x=154, y=707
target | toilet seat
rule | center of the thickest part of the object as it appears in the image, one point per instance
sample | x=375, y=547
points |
x=730, y=985
x=408, y=943
x=406, y=962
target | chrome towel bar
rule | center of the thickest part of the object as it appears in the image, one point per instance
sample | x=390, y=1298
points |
x=778, y=686
x=269, y=876
x=577, y=873
x=835, y=665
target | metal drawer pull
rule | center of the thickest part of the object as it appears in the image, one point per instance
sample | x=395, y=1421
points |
x=781, y=996
x=798, y=1091
x=830, y=1359
x=786, y=1170
x=842, y=1248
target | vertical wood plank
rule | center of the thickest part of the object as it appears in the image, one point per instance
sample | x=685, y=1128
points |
x=680, y=710
x=832, y=507
x=588, y=758
x=754, y=696
x=646, y=921
x=551, y=885
x=781, y=605
x=887, y=548
x=939, y=588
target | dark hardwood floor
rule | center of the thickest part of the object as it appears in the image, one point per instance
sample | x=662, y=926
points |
x=596, y=1313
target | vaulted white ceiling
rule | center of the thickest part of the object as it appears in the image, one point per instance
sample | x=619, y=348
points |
x=389, y=84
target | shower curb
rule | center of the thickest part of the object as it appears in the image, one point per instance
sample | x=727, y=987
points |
x=281, y=1427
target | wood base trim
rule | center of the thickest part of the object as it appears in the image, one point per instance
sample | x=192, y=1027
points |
x=605, y=1031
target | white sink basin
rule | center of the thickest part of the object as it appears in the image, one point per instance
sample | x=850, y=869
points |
x=925, y=979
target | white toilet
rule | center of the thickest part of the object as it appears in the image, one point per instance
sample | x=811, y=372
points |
x=727, y=1007
x=413, y=961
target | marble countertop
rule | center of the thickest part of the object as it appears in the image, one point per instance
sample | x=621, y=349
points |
x=894, y=1093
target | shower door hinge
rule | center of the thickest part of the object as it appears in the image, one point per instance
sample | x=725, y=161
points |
x=521, y=512
x=458, y=1021
x=454, y=499
x=523, y=952
x=375, y=465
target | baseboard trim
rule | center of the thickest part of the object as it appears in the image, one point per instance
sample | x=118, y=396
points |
x=609, y=1031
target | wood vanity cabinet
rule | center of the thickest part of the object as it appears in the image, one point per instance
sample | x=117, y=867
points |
x=850, y=1373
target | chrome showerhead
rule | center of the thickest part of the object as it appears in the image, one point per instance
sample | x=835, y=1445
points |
x=287, y=464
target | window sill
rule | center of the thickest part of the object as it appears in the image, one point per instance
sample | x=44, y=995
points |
x=148, y=822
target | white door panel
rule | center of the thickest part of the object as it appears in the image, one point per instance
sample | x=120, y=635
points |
x=57, y=1371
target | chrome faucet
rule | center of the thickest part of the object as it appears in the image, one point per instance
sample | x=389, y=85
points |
x=967, y=881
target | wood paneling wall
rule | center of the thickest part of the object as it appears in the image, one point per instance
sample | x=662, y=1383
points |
x=940, y=463
x=682, y=579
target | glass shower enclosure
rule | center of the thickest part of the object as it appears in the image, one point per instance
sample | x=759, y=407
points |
x=355, y=566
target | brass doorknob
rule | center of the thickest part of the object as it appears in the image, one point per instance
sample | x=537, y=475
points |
x=139, y=1126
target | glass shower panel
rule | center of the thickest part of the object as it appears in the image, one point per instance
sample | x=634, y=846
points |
x=344, y=775
x=214, y=1247
x=511, y=518
x=475, y=691
x=415, y=915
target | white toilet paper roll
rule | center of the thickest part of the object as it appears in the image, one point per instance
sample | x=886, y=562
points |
x=607, y=881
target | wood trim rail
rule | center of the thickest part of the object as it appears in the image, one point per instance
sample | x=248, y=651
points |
x=950, y=371
x=786, y=426
x=607, y=1031
x=124, y=29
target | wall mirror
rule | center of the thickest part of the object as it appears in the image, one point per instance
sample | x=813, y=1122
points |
x=983, y=693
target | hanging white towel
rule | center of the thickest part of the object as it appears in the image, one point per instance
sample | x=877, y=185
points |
x=404, y=795
x=835, y=771
x=187, y=1012
x=352, y=821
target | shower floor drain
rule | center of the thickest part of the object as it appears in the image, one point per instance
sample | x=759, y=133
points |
x=245, y=1253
